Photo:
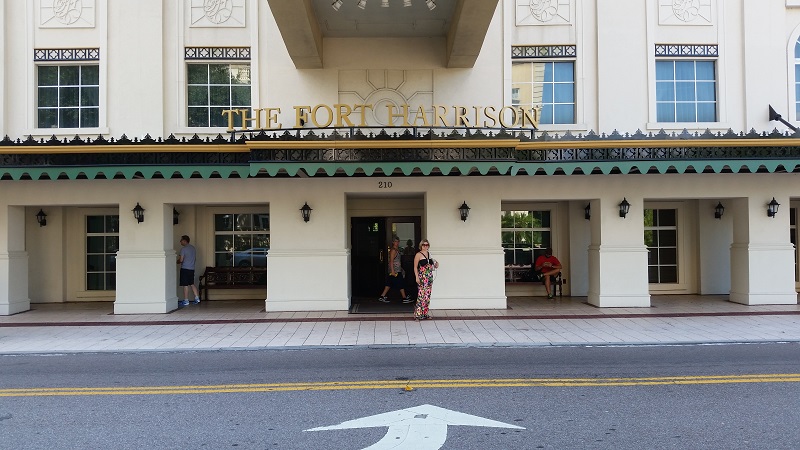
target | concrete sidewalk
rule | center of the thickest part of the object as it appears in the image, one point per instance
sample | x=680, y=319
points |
x=91, y=327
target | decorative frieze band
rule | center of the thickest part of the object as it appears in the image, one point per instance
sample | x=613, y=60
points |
x=687, y=50
x=66, y=54
x=543, y=51
x=229, y=53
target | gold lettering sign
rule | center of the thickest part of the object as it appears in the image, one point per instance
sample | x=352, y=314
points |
x=342, y=115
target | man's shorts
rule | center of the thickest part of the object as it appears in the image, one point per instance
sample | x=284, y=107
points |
x=187, y=277
x=395, y=282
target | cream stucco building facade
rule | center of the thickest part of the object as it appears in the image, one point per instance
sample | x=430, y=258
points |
x=110, y=104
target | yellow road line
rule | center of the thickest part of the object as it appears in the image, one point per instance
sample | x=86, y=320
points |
x=400, y=384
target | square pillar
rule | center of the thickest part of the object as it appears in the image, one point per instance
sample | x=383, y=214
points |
x=308, y=263
x=617, y=255
x=469, y=276
x=762, y=256
x=13, y=262
x=146, y=268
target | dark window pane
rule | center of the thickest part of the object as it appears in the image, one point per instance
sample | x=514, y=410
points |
x=240, y=95
x=261, y=222
x=650, y=238
x=111, y=263
x=69, y=75
x=240, y=73
x=522, y=239
x=242, y=242
x=48, y=97
x=94, y=224
x=220, y=96
x=48, y=76
x=219, y=74
x=217, y=119
x=95, y=244
x=652, y=274
x=112, y=224
x=90, y=96
x=223, y=260
x=667, y=217
x=198, y=117
x=243, y=222
x=668, y=274
x=111, y=281
x=792, y=216
x=95, y=282
x=223, y=222
x=90, y=117
x=95, y=263
x=223, y=242
x=261, y=241
x=667, y=238
x=507, y=237
x=197, y=95
x=652, y=256
x=69, y=96
x=668, y=256
x=90, y=75
x=197, y=73
x=48, y=118
x=68, y=118
x=112, y=244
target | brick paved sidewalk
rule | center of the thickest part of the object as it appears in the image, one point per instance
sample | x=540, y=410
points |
x=89, y=327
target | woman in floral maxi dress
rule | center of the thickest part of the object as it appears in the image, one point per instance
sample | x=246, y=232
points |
x=423, y=270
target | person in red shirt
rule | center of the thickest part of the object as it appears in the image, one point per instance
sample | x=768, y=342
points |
x=549, y=267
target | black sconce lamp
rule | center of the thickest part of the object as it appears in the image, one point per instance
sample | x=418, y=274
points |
x=464, y=211
x=138, y=213
x=719, y=210
x=772, y=208
x=587, y=212
x=306, y=212
x=41, y=218
x=175, y=215
x=624, y=207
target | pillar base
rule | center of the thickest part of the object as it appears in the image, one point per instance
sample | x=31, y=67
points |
x=619, y=301
x=763, y=299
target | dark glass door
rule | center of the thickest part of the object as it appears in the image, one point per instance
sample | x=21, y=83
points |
x=371, y=239
x=368, y=256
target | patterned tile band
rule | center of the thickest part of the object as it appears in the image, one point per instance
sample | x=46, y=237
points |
x=66, y=54
x=687, y=50
x=543, y=51
x=227, y=53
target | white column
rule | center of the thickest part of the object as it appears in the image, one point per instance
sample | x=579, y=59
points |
x=146, y=268
x=762, y=257
x=617, y=255
x=13, y=262
x=308, y=266
x=471, y=272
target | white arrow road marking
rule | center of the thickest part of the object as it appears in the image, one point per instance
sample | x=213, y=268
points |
x=422, y=427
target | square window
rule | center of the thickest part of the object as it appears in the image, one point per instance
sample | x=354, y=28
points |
x=216, y=88
x=549, y=84
x=61, y=90
x=687, y=93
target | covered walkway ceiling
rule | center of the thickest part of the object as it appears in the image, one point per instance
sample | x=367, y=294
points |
x=304, y=23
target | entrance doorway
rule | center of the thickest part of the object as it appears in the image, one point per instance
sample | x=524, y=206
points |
x=371, y=240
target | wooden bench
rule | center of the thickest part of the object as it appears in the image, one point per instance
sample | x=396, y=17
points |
x=232, y=278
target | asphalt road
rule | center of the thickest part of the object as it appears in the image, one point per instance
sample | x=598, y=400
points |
x=714, y=396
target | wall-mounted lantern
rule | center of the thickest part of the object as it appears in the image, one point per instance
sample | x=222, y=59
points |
x=41, y=218
x=624, y=207
x=306, y=212
x=719, y=210
x=464, y=211
x=138, y=213
x=772, y=208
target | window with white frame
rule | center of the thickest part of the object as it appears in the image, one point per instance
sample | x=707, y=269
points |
x=213, y=88
x=661, y=239
x=797, y=78
x=525, y=234
x=102, y=244
x=241, y=240
x=68, y=96
x=686, y=83
x=544, y=76
x=793, y=238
